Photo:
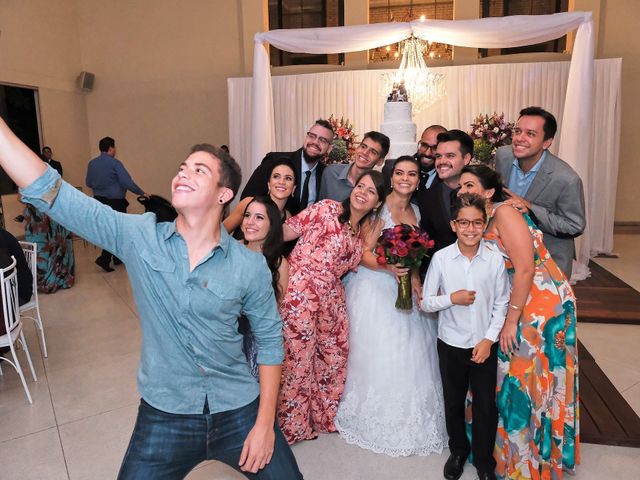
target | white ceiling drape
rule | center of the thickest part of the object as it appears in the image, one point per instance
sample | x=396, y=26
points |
x=574, y=146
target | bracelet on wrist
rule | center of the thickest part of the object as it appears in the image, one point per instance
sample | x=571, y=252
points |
x=514, y=307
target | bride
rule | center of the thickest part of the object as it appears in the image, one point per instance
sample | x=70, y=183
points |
x=392, y=402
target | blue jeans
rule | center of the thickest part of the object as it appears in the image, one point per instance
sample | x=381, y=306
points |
x=168, y=446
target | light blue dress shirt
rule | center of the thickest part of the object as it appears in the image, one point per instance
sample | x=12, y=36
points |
x=191, y=348
x=313, y=193
x=519, y=181
x=335, y=184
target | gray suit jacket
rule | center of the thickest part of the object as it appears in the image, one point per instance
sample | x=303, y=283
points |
x=557, y=204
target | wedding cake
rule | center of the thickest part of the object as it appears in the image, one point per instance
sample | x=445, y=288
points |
x=398, y=125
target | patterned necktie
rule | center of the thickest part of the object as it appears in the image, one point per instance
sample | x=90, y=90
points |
x=304, y=198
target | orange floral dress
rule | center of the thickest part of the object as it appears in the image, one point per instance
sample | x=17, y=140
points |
x=315, y=325
x=537, y=389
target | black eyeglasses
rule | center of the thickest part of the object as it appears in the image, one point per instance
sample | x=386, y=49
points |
x=322, y=140
x=426, y=146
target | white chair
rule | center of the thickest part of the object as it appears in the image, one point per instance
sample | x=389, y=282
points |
x=13, y=324
x=30, y=250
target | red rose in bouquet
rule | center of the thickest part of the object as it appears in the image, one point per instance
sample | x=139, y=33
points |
x=404, y=246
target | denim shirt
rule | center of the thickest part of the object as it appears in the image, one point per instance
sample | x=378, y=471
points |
x=191, y=348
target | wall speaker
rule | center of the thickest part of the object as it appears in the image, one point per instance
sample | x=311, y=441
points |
x=85, y=81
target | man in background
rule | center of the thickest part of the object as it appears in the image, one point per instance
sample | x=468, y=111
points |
x=47, y=157
x=338, y=179
x=109, y=180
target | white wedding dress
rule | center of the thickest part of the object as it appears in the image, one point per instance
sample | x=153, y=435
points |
x=392, y=401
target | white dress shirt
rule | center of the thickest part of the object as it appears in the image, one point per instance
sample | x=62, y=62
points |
x=464, y=326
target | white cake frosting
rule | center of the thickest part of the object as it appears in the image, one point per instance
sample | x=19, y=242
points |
x=399, y=128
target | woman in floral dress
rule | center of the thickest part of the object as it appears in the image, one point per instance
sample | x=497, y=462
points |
x=537, y=394
x=314, y=315
x=56, y=263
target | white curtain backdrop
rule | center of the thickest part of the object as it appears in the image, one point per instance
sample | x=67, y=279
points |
x=471, y=90
x=482, y=33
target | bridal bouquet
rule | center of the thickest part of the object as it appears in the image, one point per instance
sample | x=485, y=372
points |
x=404, y=246
x=343, y=141
x=489, y=133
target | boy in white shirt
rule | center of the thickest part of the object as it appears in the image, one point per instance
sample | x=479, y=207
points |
x=467, y=284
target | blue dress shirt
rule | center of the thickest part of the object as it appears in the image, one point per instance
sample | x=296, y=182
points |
x=313, y=194
x=191, y=348
x=335, y=184
x=107, y=177
x=519, y=181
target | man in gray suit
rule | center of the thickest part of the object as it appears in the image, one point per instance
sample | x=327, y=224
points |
x=542, y=185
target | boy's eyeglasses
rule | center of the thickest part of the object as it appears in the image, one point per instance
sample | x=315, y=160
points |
x=464, y=223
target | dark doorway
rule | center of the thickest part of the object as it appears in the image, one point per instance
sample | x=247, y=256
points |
x=19, y=108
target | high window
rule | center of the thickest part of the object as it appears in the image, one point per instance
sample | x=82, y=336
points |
x=305, y=14
x=504, y=8
x=381, y=11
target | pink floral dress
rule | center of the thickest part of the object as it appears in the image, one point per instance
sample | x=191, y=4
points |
x=315, y=324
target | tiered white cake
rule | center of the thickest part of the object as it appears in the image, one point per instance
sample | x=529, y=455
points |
x=399, y=128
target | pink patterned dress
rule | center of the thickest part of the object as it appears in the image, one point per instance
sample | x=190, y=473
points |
x=315, y=324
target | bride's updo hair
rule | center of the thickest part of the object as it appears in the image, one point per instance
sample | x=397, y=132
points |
x=489, y=179
x=405, y=158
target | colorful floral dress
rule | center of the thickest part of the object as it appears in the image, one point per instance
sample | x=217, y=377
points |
x=537, y=394
x=56, y=263
x=315, y=322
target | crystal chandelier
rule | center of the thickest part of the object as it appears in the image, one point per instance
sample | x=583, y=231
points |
x=423, y=87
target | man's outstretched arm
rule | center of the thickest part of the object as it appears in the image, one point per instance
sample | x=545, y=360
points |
x=20, y=163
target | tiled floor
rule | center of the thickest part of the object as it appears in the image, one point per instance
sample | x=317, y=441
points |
x=85, y=399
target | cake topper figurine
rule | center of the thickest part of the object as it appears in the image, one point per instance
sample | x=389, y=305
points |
x=399, y=93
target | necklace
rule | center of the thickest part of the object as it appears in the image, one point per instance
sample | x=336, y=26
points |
x=353, y=231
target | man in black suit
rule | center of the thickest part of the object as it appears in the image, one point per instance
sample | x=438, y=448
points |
x=454, y=150
x=307, y=163
x=47, y=156
x=426, y=157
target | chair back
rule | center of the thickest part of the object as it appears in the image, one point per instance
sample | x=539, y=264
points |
x=30, y=250
x=9, y=291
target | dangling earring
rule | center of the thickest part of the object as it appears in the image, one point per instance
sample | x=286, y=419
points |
x=392, y=186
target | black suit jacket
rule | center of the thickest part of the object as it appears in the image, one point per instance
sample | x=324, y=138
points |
x=434, y=218
x=257, y=184
x=56, y=165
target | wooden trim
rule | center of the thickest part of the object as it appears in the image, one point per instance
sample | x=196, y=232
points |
x=627, y=227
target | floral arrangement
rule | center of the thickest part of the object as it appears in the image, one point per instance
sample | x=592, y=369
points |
x=343, y=141
x=404, y=246
x=489, y=132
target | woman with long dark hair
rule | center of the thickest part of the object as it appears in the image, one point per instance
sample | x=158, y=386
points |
x=262, y=230
x=538, y=421
x=280, y=187
x=314, y=310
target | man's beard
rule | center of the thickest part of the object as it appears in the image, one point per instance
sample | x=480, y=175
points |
x=312, y=158
x=428, y=164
